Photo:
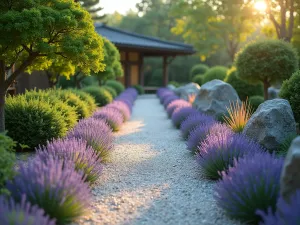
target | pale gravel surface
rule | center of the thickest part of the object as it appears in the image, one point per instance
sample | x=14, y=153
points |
x=152, y=178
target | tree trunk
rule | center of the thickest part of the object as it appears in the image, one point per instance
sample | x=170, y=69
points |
x=266, y=86
x=2, y=95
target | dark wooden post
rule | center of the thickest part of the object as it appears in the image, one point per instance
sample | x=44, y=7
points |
x=141, y=70
x=165, y=71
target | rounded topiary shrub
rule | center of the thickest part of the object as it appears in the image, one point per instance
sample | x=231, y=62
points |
x=244, y=89
x=23, y=213
x=198, y=69
x=267, y=62
x=175, y=83
x=111, y=91
x=101, y=95
x=73, y=100
x=217, y=72
x=67, y=111
x=198, y=79
x=33, y=122
x=118, y=86
x=255, y=101
x=290, y=91
x=53, y=185
x=87, y=98
x=7, y=160
x=252, y=184
x=139, y=89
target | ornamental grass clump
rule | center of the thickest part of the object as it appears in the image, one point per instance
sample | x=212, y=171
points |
x=180, y=114
x=252, y=184
x=77, y=151
x=54, y=186
x=238, y=115
x=287, y=212
x=98, y=135
x=112, y=116
x=219, y=151
x=23, y=213
x=176, y=104
x=200, y=133
x=192, y=121
x=123, y=109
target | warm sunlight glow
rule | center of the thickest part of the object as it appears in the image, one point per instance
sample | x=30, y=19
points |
x=260, y=5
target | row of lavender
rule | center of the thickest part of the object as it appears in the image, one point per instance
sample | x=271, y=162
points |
x=54, y=186
x=248, y=176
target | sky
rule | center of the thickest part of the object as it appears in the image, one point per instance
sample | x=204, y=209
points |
x=122, y=6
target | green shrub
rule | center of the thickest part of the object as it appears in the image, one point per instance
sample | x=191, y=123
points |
x=118, y=86
x=7, y=160
x=111, y=91
x=255, y=101
x=198, y=69
x=175, y=83
x=217, y=72
x=101, y=95
x=285, y=145
x=290, y=91
x=267, y=62
x=73, y=100
x=33, y=122
x=139, y=89
x=87, y=98
x=68, y=112
x=198, y=79
x=243, y=88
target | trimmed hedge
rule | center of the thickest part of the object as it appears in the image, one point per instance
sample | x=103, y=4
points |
x=101, y=95
x=139, y=89
x=199, y=69
x=118, y=86
x=111, y=91
x=217, y=72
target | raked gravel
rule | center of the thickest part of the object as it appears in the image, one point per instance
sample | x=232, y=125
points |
x=152, y=178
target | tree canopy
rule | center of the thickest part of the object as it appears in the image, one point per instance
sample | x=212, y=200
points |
x=34, y=34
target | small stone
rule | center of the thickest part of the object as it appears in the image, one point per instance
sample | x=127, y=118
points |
x=187, y=90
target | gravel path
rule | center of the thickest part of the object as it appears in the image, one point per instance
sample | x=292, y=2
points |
x=151, y=178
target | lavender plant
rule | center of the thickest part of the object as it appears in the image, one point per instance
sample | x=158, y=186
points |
x=112, y=116
x=54, y=186
x=175, y=104
x=180, y=114
x=77, y=151
x=219, y=151
x=252, y=184
x=287, y=212
x=122, y=107
x=200, y=133
x=98, y=135
x=192, y=121
x=23, y=213
x=170, y=99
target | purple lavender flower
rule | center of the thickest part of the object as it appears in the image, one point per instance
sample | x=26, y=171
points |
x=175, y=104
x=97, y=133
x=22, y=213
x=252, y=184
x=112, y=116
x=219, y=150
x=122, y=107
x=166, y=95
x=53, y=185
x=169, y=99
x=192, y=121
x=180, y=114
x=77, y=151
x=125, y=101
x=201, y=131
x=286, y=213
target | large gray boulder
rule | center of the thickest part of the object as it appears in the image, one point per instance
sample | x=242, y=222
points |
x=214, y=97
x=271, y=123
x=273, y=93
x=290, y=176
x=171, y=87
x=189, y=89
